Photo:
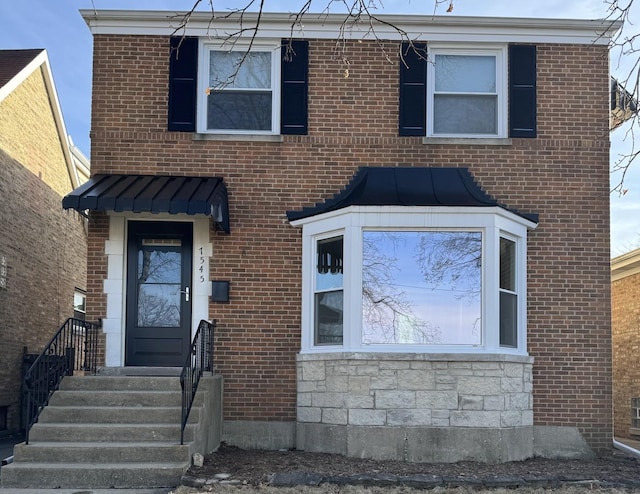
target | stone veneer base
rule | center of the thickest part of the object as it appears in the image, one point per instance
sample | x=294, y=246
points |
x=419, y=444
x=418, y=407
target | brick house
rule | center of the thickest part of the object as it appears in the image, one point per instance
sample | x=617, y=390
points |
x=42, y=247
x=405, y=259
x=625, y=286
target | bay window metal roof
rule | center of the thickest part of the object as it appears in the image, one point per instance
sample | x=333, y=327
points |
x=154, y=194
x=408, y=186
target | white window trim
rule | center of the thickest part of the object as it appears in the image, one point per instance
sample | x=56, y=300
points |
x=493, y=222
x=206, y=45
x=500, y=52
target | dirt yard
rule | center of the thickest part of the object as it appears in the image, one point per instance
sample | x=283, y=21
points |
x=232, y=469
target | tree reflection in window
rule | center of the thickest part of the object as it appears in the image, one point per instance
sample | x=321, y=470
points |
x=159, y=284
x=421, y=287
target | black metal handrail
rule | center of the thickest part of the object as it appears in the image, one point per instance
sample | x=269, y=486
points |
x=72, y=348
x=200, y=359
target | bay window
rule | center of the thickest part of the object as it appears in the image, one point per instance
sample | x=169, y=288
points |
x=414, y=279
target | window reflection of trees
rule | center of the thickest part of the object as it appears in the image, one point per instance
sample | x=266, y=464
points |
x=159, y=283
x=241, y=96
x=421, y=287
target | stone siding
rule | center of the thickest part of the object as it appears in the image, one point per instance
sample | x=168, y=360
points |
x=415, y=390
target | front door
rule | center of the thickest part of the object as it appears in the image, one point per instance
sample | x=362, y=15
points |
x=158, y=301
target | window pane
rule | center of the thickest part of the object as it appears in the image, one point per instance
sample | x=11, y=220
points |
x=227, y=69
x=465, y=73
x=159, y=305
x=239, y=111
x=507, y=264
x=159, y=264
x=329, y=264
x=421, y=288
x=159, y=273
x=508, y=319
x=465, y=114
x=79, y=302
x=329, y=310
x=329, y=304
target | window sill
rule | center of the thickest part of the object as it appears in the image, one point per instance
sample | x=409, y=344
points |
x=424, y=357
x=238, y=137
x=468, y=141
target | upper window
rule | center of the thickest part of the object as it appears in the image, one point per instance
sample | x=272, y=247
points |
x=466, y=92
x=239, y=89
x=217, y=89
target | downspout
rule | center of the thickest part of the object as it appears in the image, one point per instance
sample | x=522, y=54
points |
x=626, y=449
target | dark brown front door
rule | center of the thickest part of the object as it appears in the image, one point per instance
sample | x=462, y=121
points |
x=158, y=312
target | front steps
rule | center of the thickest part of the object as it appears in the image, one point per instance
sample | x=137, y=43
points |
x=112, y=431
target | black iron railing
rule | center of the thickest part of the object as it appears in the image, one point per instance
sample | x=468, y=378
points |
x=200, y=359
x=72, y=348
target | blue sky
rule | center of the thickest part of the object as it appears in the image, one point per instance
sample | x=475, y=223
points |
x=57, y=26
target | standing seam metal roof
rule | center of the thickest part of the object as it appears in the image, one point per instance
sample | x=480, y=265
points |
x=408, y=186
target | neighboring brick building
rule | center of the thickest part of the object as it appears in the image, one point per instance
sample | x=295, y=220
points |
x=488, y=169
x=42, y=247
x=625, y=315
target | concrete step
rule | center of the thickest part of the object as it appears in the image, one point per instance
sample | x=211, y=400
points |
x=116, y=398
x=113, y=415
x=94, y=475
x=100, y=452
x=109, y=431
x=140, y=371
x=89, y=432
x=120, y=383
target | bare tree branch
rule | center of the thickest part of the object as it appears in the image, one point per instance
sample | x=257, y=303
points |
x=625, y=90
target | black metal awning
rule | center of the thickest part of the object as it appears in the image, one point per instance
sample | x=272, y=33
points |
x=408, y=186
x=154, y=194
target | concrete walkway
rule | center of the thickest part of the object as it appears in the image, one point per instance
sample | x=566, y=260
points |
x=6, y=446
x=85, y=491
x=34, y=490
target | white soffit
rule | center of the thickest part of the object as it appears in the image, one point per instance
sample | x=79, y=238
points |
x=327, y=26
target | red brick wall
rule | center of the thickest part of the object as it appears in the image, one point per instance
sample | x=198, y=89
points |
x=562, y=175
x=625, y=314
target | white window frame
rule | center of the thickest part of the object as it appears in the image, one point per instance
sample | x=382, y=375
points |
x=208, y=45
x=500, y=54
x=350, y=222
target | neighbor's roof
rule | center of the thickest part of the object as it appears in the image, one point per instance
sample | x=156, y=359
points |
x=13, y=61
x=625, y=265
x=408, y=186
x=15, y=67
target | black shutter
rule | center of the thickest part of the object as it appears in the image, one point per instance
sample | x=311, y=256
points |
x=183, y=81
x=522, y=91
x=412, y=115
x=294, y=87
